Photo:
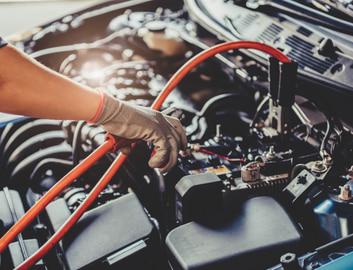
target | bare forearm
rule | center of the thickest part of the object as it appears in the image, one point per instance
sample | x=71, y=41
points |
x=28, y=88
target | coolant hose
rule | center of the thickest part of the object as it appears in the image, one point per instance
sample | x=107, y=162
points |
x=118, y=162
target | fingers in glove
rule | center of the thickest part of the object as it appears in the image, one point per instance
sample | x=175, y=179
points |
x=124, y=145
x=162, y=148
x=175, y=123
x=173, y=156
x=159, y=158
x=126, y=150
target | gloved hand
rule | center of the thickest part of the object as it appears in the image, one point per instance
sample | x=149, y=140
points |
x=138, y=123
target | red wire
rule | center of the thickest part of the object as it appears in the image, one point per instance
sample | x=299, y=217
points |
x=58, y=235
x=115, y=166
x=208, y=152
x=40, y=205
x=204, y=55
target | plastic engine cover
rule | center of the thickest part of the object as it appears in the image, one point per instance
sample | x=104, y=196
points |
x=253, y=238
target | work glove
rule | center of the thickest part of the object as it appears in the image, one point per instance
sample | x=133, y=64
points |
x=165, y=133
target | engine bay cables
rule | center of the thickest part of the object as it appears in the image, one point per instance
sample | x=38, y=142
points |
x=112, y=145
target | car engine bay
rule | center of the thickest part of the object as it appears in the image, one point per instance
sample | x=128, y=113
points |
x=267, y=179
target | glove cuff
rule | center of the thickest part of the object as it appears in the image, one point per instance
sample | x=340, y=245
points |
x=100, y=107
x=110, y=109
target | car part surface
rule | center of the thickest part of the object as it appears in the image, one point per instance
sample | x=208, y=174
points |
x=265, y=135
x=259, y=229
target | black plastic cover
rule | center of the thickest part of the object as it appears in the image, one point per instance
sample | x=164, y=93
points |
x=253, y=238
x=108, y=235
x=198, y=197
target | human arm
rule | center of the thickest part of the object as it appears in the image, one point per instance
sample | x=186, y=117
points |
x=29, y=88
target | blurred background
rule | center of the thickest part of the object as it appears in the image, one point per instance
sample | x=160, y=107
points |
x=17, y=16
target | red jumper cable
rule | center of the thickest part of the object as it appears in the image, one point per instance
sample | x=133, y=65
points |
x=107, y=146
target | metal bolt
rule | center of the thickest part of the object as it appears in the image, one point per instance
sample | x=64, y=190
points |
x=328, y=160
x=346, y=193
x=271, y=154
x=218, y=130
x=318, y=167
x=218, y=133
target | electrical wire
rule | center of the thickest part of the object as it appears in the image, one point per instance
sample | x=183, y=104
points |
x=204, y=55
x=333, y=125
x=118, y=162
x=40, y=205
x=259, y=109
x=326, y=137
x=208, y=152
